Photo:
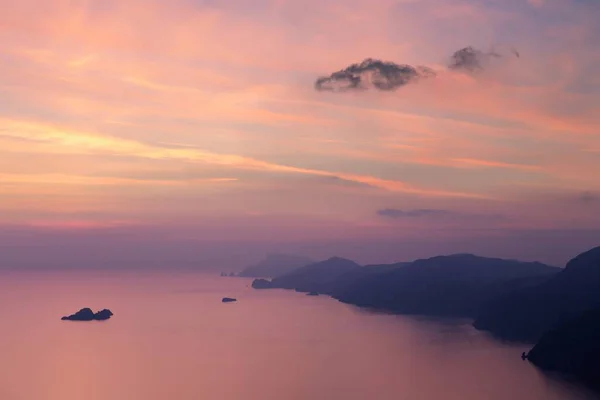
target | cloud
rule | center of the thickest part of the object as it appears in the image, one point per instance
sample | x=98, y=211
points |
x=588, y=197
x=470, y=59
x=537, y=3
x=336, y=180
x=82, y=180
x=435, y=214
x=93, y=143
x=388, y=76
x=394, y=213
x=471, y=162
x=371, y=73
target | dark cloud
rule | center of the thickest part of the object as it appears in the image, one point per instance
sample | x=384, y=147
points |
x=387, y=76
x=588, y=198
x=470, y=59
x=394, y=213
x=377, y=74
x=436, y=214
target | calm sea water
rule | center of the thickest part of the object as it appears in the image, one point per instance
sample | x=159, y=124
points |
x=172, y=339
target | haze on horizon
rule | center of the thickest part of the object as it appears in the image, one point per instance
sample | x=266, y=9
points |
x=191, y=132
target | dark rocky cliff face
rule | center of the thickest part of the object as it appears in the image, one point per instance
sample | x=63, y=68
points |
x=526, y=314
x=572, y=348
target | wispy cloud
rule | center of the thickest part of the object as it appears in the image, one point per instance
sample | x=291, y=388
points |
x=419, y=213
x=469, y=162
x=144, y=83
x=589, y=197
x=87, y=142
x=437, y=215
x=82, y=180
x=537, y=3
x=108, y=118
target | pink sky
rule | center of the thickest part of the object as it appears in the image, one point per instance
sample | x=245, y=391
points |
x=200, y=116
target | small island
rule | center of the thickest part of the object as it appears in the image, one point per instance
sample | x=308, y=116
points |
x=86, y=314
x=228, y=300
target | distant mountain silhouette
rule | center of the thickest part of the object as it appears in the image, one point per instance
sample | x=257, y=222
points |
x=275, y=265
x=358, y=275
x=456, y=285
x=526, y=314
x=317, y=277
x=572, y=348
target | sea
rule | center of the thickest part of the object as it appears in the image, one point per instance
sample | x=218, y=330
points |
x=171, y=338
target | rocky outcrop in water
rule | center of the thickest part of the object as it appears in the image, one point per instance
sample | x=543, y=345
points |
x=86, y=314
x=103, y=315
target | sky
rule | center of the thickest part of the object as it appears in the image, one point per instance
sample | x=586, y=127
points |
x=191, y=131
